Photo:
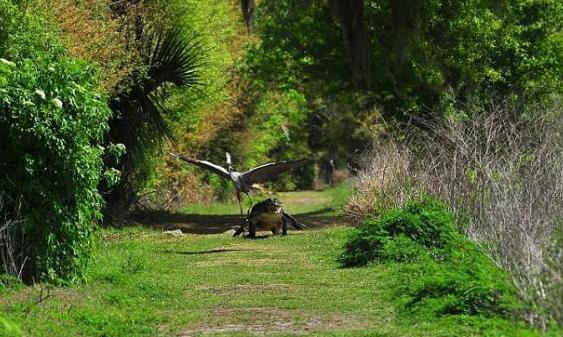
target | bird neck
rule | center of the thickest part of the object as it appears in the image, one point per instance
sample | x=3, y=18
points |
x=229, y=162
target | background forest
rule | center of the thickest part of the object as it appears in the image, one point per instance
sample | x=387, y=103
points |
x=404, y=100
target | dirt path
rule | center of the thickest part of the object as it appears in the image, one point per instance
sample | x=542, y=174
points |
x=274, y=321
x=274, y=285
x=280, y=286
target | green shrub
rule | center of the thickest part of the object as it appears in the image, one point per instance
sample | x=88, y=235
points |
x=9, y=329
x=427, y=222
x=9, y=282
x=52, y=120
x=465, y=282
x=401, y=249
x=434, y=268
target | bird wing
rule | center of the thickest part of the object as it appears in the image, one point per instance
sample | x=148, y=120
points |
x=269, y=171
x=205, y=165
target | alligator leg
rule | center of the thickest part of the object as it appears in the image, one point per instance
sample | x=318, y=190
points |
x=251, y=229
x=284, y=225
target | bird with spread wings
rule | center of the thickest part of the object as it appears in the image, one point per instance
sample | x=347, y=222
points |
x=243, y=181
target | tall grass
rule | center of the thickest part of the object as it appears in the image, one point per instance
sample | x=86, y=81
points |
x=500, y=170
x=384, y=182
x=8, y=251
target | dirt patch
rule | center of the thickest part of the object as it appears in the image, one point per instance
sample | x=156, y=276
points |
x=263, y=321
x=246, y=262
x=234, y=289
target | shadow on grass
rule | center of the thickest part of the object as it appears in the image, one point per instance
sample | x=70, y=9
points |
x=319, y=212
x=211, y=251
x=187, y=223
x=216, y=224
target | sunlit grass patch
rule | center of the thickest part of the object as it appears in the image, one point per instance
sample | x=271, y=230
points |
x=320, y=202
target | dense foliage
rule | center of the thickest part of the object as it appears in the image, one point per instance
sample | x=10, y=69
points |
x=52, y=120
x=434, y=268
x=293, y=94
x=426, y=57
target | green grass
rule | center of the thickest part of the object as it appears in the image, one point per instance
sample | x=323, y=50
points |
x=142, y=282
x=322, y=202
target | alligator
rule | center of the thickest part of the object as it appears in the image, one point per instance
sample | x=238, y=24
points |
x=270, y=215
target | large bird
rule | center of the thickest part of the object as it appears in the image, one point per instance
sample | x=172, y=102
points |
x=244, y=180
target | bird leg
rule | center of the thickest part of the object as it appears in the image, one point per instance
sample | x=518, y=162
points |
x=239, y=202
x=249, y=198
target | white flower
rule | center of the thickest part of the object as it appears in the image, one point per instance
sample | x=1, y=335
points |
x=58, y=103
x=8, y=63
x=40, y=93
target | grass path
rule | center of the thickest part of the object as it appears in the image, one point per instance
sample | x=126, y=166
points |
x=149, y=284
x=279, y=285
x=144, y=282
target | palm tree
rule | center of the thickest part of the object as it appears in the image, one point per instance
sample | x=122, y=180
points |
x=171, y=58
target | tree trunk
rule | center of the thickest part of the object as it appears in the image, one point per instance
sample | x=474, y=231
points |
x=247, y=7
x=119, y=200
x=350, y=14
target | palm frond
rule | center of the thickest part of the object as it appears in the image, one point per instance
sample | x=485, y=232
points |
x=172, y=56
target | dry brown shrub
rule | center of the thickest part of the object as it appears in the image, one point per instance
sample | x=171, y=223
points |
x=382, y=183
x=92, y=32
x=8, y=244
x=183, y=185
x=501, y=173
